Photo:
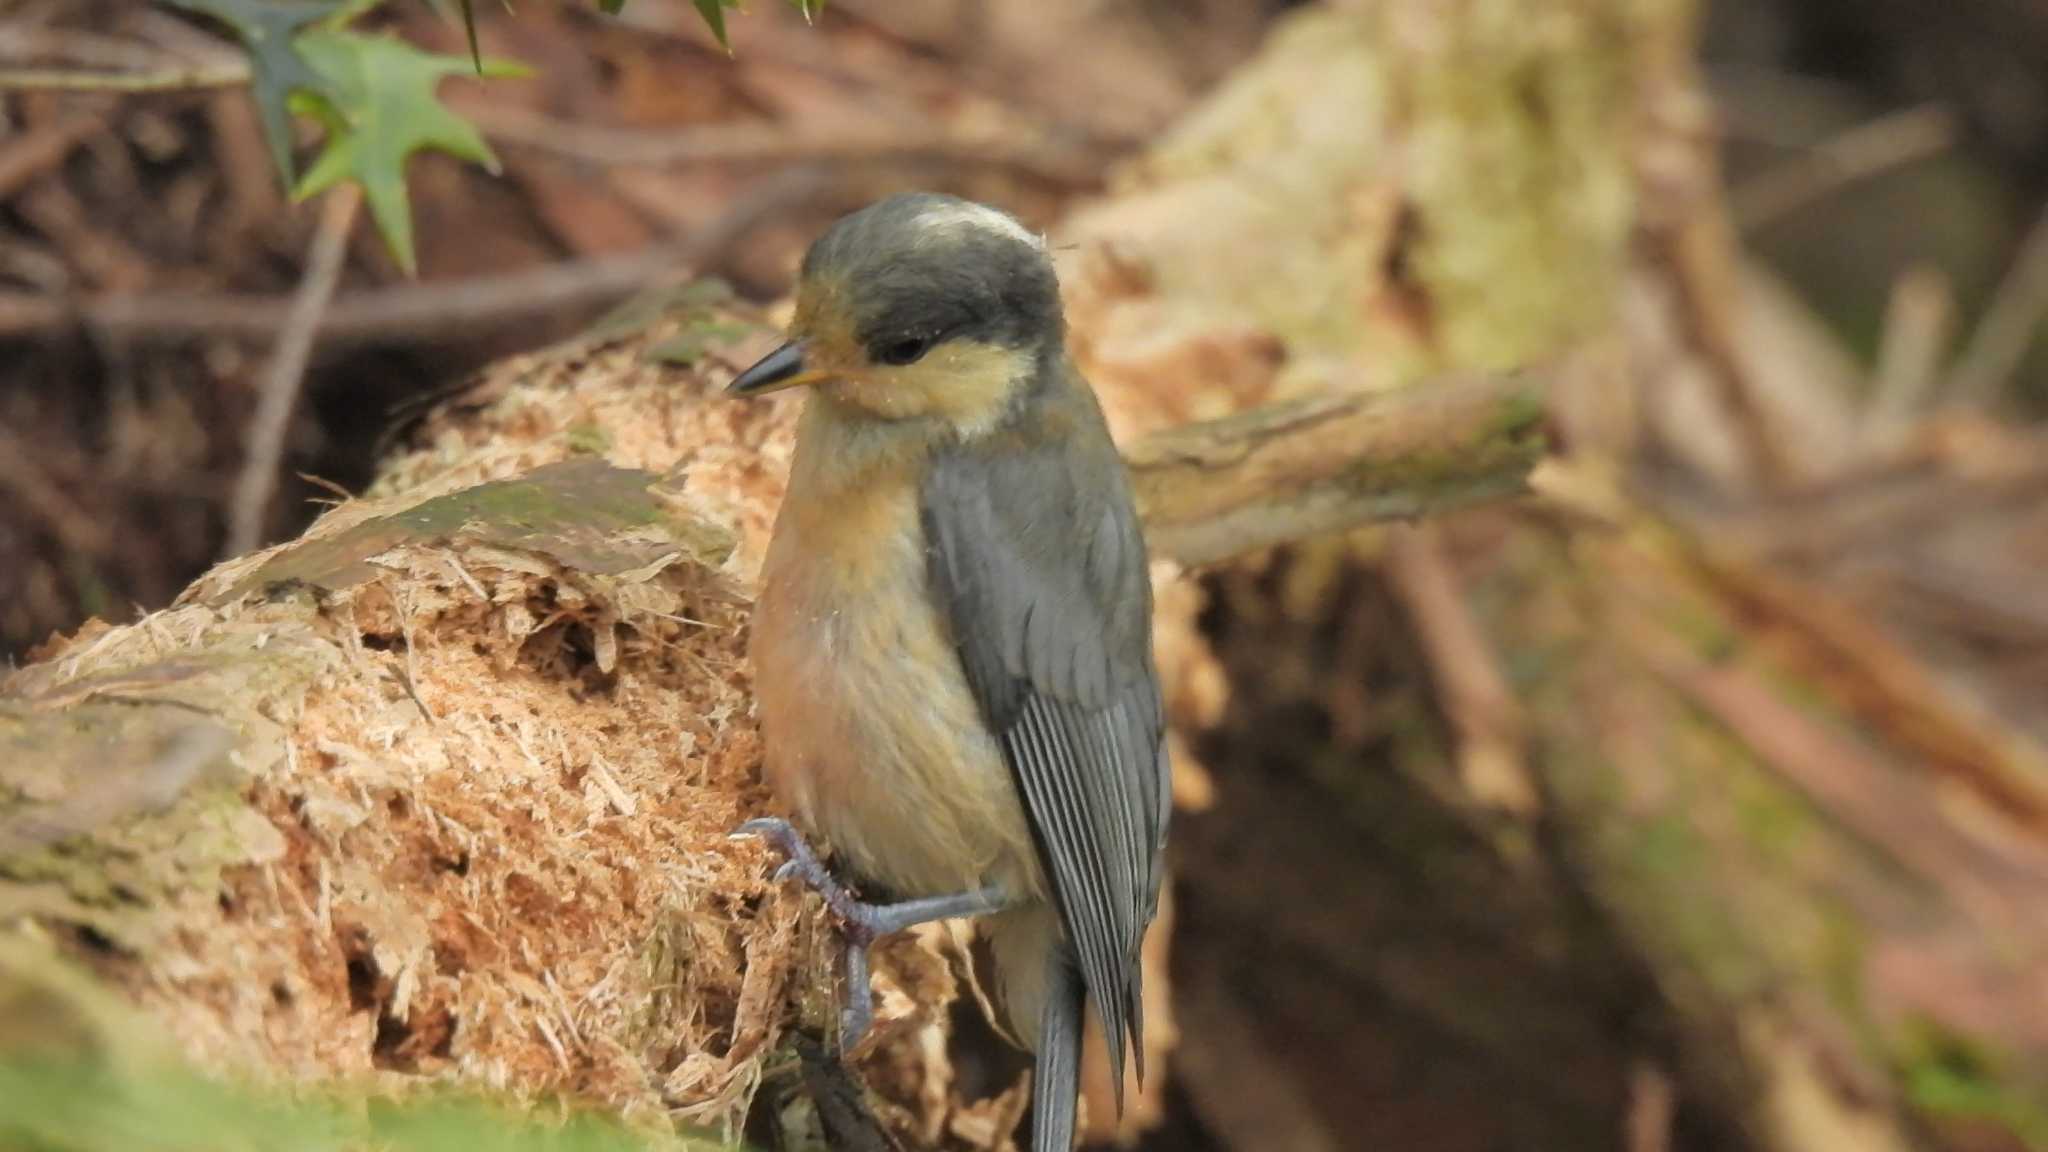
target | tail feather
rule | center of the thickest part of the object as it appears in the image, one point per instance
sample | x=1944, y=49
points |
x=1056, y=1068
x=1136, y=1010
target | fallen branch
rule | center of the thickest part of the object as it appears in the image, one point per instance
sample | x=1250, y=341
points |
x=1287, y=471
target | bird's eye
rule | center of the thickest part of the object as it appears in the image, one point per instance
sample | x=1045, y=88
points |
x=904, y=350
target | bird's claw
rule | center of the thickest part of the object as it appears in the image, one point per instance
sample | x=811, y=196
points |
x=803, y=864
x=855, y=918
x=861, y=923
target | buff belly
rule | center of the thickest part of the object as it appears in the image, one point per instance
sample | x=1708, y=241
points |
x=874, y=740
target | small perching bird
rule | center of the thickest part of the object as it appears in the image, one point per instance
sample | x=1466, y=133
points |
x=952, y=645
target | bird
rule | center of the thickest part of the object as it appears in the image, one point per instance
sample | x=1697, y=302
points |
x=952, y=640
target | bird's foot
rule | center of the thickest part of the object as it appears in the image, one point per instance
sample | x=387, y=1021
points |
x=861, y=923
x=802, y=863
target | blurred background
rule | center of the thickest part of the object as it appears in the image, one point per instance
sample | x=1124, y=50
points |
x=1837, y=215
x=1865, y=146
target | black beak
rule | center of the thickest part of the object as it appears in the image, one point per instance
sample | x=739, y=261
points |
x=782, y=368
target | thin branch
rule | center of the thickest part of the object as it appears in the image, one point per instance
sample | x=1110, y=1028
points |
x=75, y=46
x=405, y=311
x=772, y=144
x=411, y=311
x=2002, y=338
x=1868, y=150
x=196, y=78
x=1287, y=471
x=286, y=371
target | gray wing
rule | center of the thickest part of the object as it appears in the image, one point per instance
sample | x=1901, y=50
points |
x=1037, y=561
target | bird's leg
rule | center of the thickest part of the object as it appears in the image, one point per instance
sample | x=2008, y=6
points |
x=861, y=923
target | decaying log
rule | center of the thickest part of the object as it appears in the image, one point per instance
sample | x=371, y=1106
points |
x=445, y=783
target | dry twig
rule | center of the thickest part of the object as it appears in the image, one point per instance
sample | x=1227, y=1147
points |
x=282, y=377
x=414, y=311
x=1865, y=151
x=186, y=79
x=1916, y=330
x=2002, y=338
x=772, y=144
x=407, y=311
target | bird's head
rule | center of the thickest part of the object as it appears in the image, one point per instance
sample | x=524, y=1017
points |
x=919, y=307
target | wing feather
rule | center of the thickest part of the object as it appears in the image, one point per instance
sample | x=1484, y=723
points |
x=1039, y=568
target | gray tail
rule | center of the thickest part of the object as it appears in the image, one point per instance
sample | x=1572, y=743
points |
x=1056, y=1070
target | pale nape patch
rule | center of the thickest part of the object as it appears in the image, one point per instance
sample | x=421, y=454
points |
x=980, y=217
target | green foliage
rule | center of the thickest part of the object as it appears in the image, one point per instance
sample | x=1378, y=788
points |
x=268, y=31
x=377, y=96
x=83, y=1106
x=388, y=109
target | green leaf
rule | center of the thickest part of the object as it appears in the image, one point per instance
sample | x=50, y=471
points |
x=810, y=8
x=387, y=108
x=713, y=12
x=611, y=7
x=269, y=31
